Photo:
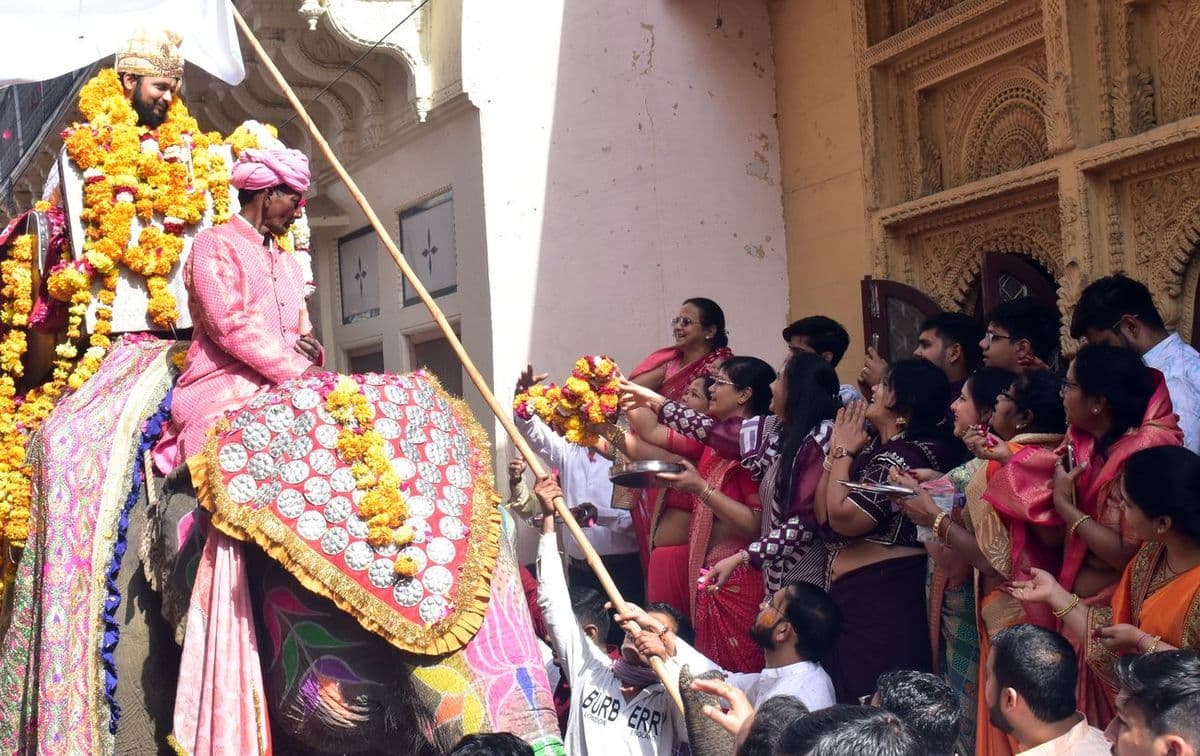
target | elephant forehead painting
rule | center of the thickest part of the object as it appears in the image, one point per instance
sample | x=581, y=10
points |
x=276, y=474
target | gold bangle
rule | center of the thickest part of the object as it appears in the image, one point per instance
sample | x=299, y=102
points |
x=937, y=523
x=827, y=464
x=708, y=489
x=1153, y=644
x=1075, y=525
x=1074, y=602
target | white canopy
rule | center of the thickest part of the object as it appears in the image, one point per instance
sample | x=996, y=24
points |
x=49, y=38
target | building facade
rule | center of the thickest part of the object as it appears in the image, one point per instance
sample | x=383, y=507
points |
x=983, y=149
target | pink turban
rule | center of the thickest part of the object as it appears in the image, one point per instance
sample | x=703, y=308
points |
x=263, y=169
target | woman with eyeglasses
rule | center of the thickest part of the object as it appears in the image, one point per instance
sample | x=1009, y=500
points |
x=877, y=565
x=726, y=516
x=1007, y=525
x=783, y=451
x=1116, y=407
x=701, y=343
x=1156, y=604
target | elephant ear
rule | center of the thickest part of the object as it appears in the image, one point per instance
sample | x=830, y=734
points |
x=706, y=737
x=274, y=472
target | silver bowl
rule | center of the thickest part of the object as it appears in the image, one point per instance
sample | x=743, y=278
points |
x=642, y=473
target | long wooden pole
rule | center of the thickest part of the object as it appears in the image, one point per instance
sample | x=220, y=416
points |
x=503, y=414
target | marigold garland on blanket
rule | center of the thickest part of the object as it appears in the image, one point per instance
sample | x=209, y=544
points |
x=361, y=445
x=589, y=395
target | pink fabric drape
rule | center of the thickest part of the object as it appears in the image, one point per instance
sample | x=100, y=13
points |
x=219, y=705
x=1096, y=487
x=722, y=618
x=1022, y=493
x=675, y=382
x=248, y=309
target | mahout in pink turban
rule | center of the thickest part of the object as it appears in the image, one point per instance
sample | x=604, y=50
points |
x=263, y=169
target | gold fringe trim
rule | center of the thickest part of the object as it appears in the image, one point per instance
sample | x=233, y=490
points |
x=174, y=745
x=319, y=575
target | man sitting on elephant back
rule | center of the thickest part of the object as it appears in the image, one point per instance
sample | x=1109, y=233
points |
x=246, y=296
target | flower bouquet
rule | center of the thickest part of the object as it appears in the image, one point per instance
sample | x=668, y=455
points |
x=588, y=396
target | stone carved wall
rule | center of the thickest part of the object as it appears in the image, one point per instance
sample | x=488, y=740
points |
x=1065, y=131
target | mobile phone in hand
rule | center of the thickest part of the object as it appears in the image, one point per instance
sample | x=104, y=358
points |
x=1069, y=459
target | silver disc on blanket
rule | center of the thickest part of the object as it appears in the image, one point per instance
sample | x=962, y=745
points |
x=641, y=474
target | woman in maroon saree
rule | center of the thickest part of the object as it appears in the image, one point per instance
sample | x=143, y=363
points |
x=877, y=565
x=663, y=517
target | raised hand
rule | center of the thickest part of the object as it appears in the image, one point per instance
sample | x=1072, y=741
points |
x=1041, y=586
x=849, y=430
x=740, y=708
x=527, y=379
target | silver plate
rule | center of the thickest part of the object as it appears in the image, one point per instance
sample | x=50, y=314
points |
x=878, y=488
x=641, y=474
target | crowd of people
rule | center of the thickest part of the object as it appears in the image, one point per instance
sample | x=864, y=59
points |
x=1014, y=566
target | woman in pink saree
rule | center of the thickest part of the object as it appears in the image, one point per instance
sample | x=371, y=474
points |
x=661, y=518
x=1007, y=527
x=1116, y=406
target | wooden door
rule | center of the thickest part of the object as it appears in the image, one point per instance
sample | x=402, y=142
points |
x=892, y=316
x=1005, y=277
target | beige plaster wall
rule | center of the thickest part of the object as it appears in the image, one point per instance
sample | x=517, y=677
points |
x=822, y=166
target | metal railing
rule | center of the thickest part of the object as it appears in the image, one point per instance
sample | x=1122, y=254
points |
x=28, y=112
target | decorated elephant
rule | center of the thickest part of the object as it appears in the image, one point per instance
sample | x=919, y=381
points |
x=363, y=646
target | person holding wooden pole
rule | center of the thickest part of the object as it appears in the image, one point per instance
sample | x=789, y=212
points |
x=501, y=412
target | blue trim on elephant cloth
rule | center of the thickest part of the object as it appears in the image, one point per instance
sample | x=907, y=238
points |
x=152, y=429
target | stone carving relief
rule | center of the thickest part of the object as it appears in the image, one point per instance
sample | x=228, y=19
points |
x=916, y=11
x=1165, y=210
x=948, y=260
x=995, y=122
x=1133, y=102
x=1063, y=131
x=1177, y=33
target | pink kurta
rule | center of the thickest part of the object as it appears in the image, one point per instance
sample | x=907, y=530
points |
x=246, y=301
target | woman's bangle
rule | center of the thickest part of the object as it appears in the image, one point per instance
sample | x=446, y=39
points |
x=827, y=463
x=937, y=523
x=1075, y=525
x=1074, y=602
x=744, y=556
x=1141, y=638
x=708, y=489
x=1153, y=644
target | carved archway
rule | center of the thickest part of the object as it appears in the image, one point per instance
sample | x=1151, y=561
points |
x=1006, y=126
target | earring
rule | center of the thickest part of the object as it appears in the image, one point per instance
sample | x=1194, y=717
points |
x=1095, y=410
x=902, y=421
x=708, y=338
x=1020, y=426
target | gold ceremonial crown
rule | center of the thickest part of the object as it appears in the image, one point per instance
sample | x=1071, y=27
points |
x=151, y=53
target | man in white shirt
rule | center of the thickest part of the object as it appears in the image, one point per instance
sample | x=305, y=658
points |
x=588, y=492
x=1119, y=311
x=617, y=707
x=795, y=627
x=1030, y=694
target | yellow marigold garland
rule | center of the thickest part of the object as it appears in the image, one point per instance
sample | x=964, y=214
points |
x=589, y=395
x=360, y=445
x=131, y=171
x=17, y=293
